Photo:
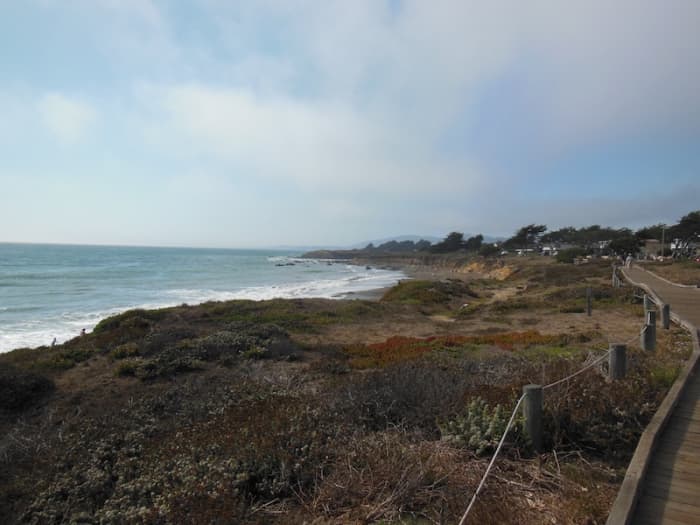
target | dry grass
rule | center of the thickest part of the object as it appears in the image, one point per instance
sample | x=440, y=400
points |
x=681, y=272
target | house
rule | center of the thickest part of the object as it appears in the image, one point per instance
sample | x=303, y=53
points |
x=651, y=248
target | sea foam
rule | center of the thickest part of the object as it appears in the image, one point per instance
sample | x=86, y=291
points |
x=71, y=288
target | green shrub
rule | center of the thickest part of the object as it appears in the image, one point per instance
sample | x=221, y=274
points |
x=568, y=255
x=480, y=427
x=124, y=351
x=663, y=376
x=19, y=389
x=427, y=292
x=255, y=352
x=128, y=367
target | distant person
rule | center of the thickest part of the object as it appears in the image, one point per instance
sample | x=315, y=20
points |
x=82, y=332
x=628, y=261
x=53, y=343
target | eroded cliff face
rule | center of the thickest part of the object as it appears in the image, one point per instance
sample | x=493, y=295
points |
x=461, y=265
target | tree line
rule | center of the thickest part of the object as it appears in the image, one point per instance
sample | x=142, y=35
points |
x=587, y=239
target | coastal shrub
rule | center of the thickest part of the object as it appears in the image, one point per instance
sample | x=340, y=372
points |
x=479, y=427
x=542, y=276
x=427, y=292
x=267, y=448
x=604, y=418
x=388, y=477
x=489, y=250
x=240, y=338
x=128, y=367
x=663, y=375
x=572, y=309
x=167, y=366
x=124, y=329
x=400, y=348
x=512, y=305
x=410, y=395
x=169, y=336
x=286, y=313
x=124, y=351
x=137, y=318
x=545, y=353
x=62, y=359
x=20, y=389
x=255, y=352
x=570, y=254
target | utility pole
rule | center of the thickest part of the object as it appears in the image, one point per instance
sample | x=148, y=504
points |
x=663, y=238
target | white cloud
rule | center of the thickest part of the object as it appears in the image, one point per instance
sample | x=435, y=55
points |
x=319, y=146
x=365, y=111
x=68, y=119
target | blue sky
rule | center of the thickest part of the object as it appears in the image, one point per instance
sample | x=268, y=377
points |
x=244, y=124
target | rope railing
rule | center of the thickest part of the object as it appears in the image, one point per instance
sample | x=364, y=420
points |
x=507, y=429
x=582, y=370
x=590, y=365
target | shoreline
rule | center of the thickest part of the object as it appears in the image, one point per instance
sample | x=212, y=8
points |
x=43, y=338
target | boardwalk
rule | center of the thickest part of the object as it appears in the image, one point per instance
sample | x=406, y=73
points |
x=670, y=489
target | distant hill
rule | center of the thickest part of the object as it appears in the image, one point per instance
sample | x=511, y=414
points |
x=415, y=238
x=398, y=238
x=377, y=242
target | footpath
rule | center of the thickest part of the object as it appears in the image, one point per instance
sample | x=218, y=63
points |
x=662, y=485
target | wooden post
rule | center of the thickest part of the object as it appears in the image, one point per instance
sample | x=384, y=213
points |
x=589, y=305
x=651, y=318
x=648, y=337
x=617, y=361
x=666, y=316
x=648, y=303
x=532, y=410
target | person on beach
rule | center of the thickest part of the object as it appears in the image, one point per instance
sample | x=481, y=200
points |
x=53, y=343
x=82, y=332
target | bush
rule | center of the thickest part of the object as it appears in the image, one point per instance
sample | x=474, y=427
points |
x=128, y=367
x=407, y=394
x=480, y=428
x=489, y=250
x=20, y=389
x=568, y=255
x=125, y=350
x=427, y=292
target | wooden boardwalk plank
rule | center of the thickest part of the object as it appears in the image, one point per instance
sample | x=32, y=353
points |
x=680, y=440
x=660, y=511
x=666, y=456
x=659, y=488
x=675, y=470
x=669, y=493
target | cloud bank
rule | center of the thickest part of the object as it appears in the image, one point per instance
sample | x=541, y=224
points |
x=353, y=120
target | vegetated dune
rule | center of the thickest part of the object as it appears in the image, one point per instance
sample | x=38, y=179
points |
x=351, y=411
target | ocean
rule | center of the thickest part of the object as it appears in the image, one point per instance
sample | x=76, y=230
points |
x=54, y=291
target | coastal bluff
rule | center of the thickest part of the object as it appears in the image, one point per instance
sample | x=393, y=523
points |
x=422, y=264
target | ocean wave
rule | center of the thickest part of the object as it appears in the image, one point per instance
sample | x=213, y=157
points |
x=41, y=329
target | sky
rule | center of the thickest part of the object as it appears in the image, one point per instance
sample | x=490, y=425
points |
x=274, y=122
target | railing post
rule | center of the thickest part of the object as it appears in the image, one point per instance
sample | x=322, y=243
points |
x=589, y=306
x=617, y=361
x=648, y=337
x=532, y=410
x=648, y=304
x=666, y=316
